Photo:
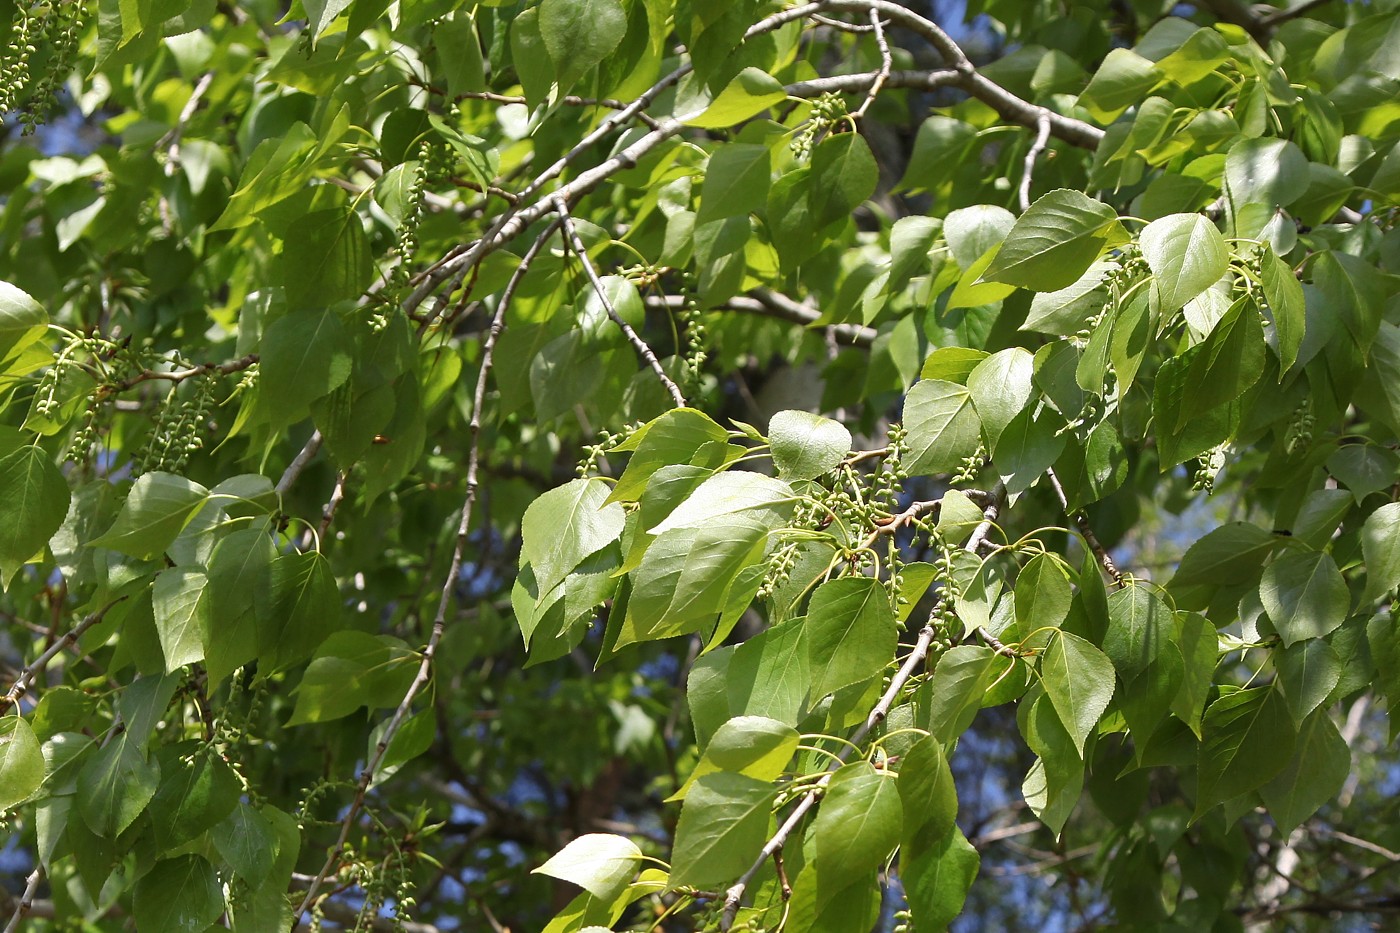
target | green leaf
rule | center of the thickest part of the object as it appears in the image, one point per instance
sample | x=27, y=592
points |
x=844, y=174
x=36, y=501
x=352, y=669
x=736, y=182
x=805, y=445
x=1380, y=549
x=851, y=633
x=1001, y=387
x=960, y=681
x=21, y=762
x=179, y=895
x=193, y=796
x=723, y=825
x=246, y=840
x=682, y=435
x=305, y=355
x=1055, y=242
x=1078, y=680
x=1233, y=553
x=943, y=428
x=1284, y=296
x=22, y=320
x=325, y=258
x=1308, y=672
x=1186, y=254
x=1067, y=311
x=1247, y=739
x=927, y=794
x=115, y=786
x=181, y=601
x=155, y=511
x=1316, y=773
x=240, y=596
x=304, y=607
x=1138, y=623
x=857, y=826
x=1027, y=447
x=1043, y=593
x=1055, y=781
x=1272, y=172
x=579, y=34
x=683, y=581
x=911, y=238
x=1122, y=80
x=972, y=232
x=1304, y=595
x=566, y=525
x=737, y=493
x=600, y=863
x=936, y=881
x=939, y=146
x=1228, y=363
x=770, y=674
x=1199, y=645
x=751, y=92
x=753, y=745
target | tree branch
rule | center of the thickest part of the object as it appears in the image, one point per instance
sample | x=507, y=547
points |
x=643, y=349
x=27, y=676
x=425, y=666
x=1081, y=521
x=1001, y=100
x=735, y=894
x=886, y=64
x=772, y=304
x=1042, y=136
x=26, y=901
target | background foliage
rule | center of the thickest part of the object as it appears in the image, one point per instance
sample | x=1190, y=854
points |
x=663, y=464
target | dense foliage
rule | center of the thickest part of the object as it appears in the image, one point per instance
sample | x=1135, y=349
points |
x=678, y=465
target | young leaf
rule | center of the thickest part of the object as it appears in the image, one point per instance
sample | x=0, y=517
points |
x=1078, y=680
x=21, y=762
x=1054, y=242
x=1380, y=547
x=851, y=633
x=1304, y=595
x=600, y=863
x=1248, y=738
x=928, y=795
x=943, y=428
x=579, y=34
x=1186, y=254
x=805, y=445
x=178, y=895
x=723, y=824
x=752, y=745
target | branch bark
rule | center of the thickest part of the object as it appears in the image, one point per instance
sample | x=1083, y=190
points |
x=425, y=666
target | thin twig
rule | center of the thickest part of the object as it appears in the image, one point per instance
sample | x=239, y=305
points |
x=514, y=221
x=886, y=64
x=643, y=349
x=735, y=894
x=1081, y=521
x=299, y=462
x=27, y=676
x=26, y=901
x=772, y=304
x=180, y=375
x=449, y=588
x=1042, y=136
x=1274, y=20
x=1011, y=107
x=171, y=140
